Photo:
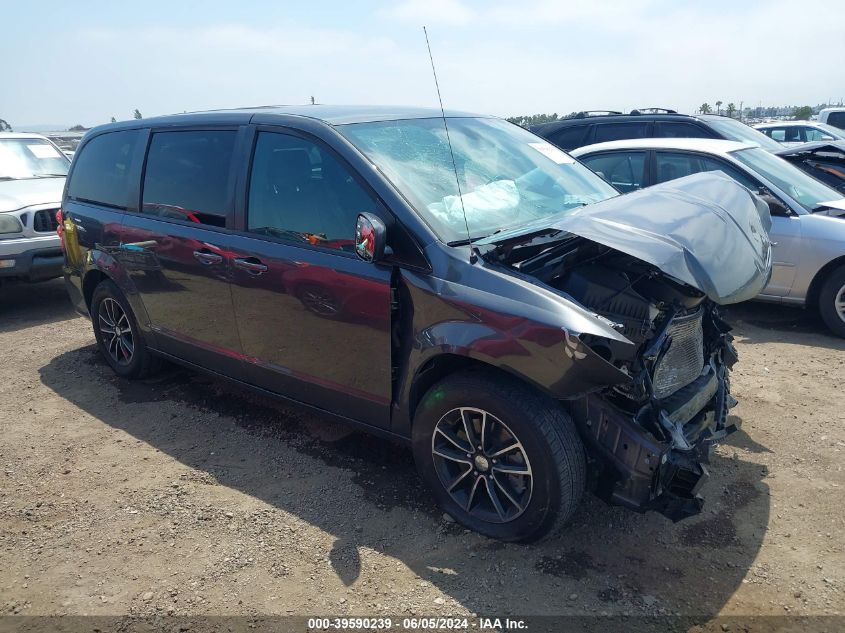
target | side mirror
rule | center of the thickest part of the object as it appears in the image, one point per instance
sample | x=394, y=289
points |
x=776, y=207
x=370, y=237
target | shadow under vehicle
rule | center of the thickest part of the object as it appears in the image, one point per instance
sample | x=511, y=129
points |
x=527, y=330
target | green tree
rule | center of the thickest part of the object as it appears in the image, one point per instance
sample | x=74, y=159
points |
x=802, y=113
x=527, y=121
x=77, y=128
x=718, y=107
x=137, y=114
x=5, y=127
x=730, y=110
x=705, y=108
x=113, y=120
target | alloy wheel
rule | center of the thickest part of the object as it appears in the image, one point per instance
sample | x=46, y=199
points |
x=482, y=465
x=839, y=303
x=116, y=331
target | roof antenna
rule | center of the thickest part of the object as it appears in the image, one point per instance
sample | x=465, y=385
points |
x=472, y=257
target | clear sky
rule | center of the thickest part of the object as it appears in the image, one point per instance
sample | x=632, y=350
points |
x=84, y=62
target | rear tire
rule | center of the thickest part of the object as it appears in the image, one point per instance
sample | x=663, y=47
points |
x=832, y=301
x=519, y=493
x=118, y=335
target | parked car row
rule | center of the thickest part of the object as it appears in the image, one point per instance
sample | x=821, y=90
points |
x=802, y=184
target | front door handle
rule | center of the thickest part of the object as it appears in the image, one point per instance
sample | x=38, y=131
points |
x=207, y=258
x=251, y=265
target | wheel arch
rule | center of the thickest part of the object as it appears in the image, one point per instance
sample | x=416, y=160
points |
x=819, y=278
x=446, y=364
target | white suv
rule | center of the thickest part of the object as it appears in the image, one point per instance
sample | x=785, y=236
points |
x=32, y=177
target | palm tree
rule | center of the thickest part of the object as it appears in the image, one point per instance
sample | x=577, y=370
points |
x=731, y=110
x=718, y=107
x=705, y=108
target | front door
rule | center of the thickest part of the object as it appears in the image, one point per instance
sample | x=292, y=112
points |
x=177, y=249
x=314, y=319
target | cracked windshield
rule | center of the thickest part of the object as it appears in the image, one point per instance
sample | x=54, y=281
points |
x=507, y=176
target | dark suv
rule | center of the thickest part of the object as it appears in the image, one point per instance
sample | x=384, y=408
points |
x=587, y=128
x=321, y=254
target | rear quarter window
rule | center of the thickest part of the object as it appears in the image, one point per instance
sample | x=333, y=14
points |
x=103, y=168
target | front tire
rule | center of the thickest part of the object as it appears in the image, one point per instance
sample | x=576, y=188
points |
x=118, y=335
x=832, y=301
x=499, y=457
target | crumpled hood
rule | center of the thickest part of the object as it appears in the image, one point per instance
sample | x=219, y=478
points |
x=16, y=194
x=705, y=230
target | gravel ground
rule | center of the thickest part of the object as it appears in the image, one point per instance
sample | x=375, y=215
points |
x=181, y=495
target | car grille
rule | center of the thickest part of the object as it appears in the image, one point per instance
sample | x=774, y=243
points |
x=683, y=361
x=45, y=221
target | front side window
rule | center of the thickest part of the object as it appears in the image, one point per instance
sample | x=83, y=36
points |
x=836, y=119
x=713, y=164
x=620, y=131
x=301, y=193
x=187, y=176
x=672, y=165
x=103, y=167
x=507, y=175
x=623, y=170
x=22, y=158
x=815, y=134
x=804, y=189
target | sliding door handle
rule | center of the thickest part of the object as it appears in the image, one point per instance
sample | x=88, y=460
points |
x=251, y=265
x=206, y=258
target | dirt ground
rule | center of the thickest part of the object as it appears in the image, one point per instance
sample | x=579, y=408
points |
x=180, y=495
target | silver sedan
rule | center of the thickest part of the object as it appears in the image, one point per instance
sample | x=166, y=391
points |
x=808, y=217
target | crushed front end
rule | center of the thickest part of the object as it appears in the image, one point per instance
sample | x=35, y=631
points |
x=653, y=266
x=650, y=434
x=653, y=435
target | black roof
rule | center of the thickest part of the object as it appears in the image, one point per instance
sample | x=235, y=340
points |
x=611, y=116
x=329, y=114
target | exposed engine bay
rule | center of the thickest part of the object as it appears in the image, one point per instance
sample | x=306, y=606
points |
x=650, y=436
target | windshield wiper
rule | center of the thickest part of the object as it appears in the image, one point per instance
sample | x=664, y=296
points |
x=465, y=241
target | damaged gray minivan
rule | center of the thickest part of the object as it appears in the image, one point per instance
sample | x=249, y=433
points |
x=477, y=293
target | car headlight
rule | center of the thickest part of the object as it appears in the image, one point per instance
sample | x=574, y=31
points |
x=10, y=224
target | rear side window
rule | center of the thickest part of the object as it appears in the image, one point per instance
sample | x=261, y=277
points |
x=837, y=119
x=103, y=168
x=681, y=129
x=187, y=176
x=623, y=170
x=619, y=131
x=777, y=133
x=569, y=137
